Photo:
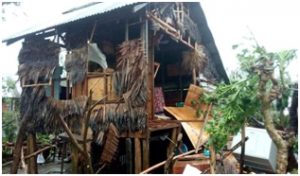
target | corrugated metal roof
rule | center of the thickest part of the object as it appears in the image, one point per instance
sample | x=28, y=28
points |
x=71, y=17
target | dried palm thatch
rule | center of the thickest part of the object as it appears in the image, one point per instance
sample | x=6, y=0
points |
x=194, y=59
x=118, y=115
x=37, y=59
x=76, y=64
x=72, y=110
x=41, y=112
x=130, y=78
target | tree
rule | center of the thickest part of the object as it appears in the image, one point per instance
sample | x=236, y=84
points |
x=9, y=87
x=251, y=93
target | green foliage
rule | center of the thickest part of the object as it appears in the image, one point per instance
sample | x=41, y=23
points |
x=238, y=101
x=9, y=126
x=9, y=118
x=9, y=87
x=44, y=139
x=232, y=106
x=295, y=145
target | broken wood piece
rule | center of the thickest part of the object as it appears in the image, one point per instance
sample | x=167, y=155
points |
x=234, y=148
x=192, y=129
x=30, y=155
x=164, y=162
x=71, y=136
x=202, y=129
x=110, y=145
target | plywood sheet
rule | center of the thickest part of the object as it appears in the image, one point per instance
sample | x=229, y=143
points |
x=192, y=129
x=98, y=86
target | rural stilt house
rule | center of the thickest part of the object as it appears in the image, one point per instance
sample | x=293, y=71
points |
x=100, y=77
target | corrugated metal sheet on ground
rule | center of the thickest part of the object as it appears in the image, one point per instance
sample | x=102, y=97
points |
x=72, y=16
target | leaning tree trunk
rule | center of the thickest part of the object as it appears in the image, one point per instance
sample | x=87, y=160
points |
x=282, y=146
x=266, y=99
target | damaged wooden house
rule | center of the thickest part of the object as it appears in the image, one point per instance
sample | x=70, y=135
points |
x=114, y=82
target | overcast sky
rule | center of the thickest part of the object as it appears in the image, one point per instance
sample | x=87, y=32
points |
x=275, y=25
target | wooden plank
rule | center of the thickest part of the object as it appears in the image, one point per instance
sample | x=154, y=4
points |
x=137, y=156
x=192, y=129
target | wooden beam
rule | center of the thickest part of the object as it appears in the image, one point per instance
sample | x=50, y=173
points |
x=169, y=29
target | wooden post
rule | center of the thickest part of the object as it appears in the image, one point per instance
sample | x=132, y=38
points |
x=145, y=145
x=31, y=147
x=18, y=147
x=137, y=156
x=62, y=158
x=129, y=161
x=149, y=55
x=170, y=151
x=74, y=160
